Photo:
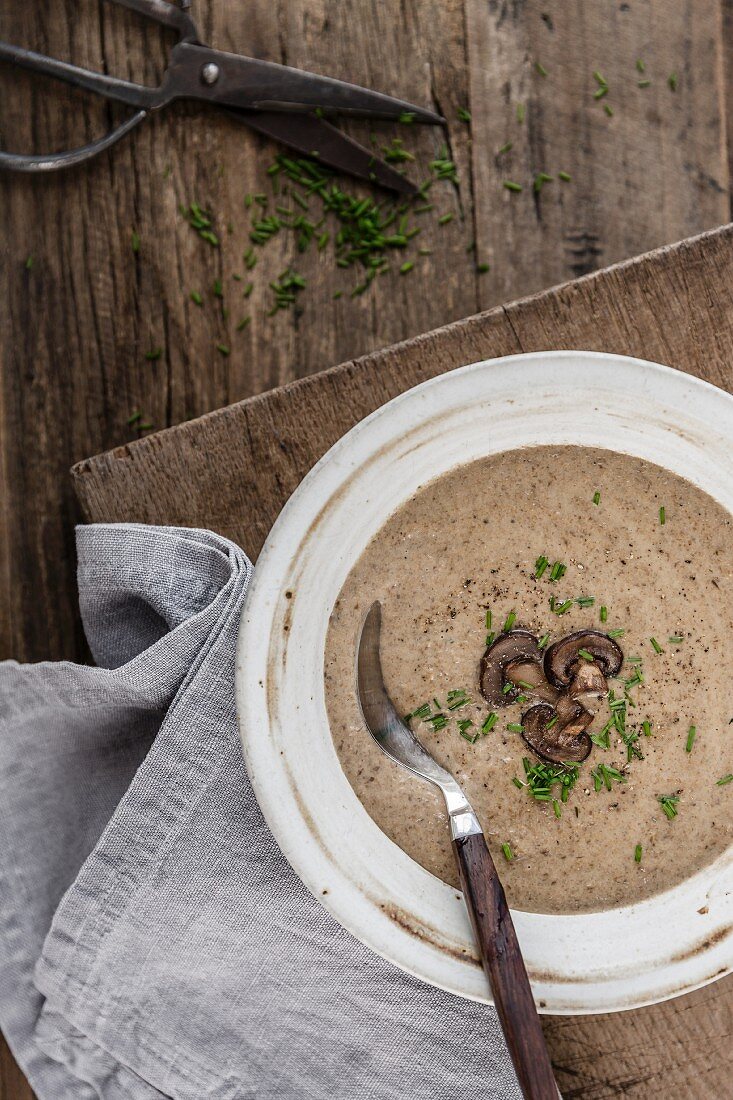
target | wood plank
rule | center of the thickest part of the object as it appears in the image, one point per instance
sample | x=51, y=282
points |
x=78, y=324
x=239, y=466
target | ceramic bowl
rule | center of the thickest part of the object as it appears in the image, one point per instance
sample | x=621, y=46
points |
x=593, y=962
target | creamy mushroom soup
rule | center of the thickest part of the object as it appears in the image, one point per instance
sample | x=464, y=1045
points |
x=558, y=624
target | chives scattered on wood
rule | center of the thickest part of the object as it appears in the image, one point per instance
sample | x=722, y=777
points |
x=608, y=109
x=153, y=355
x=445, y=218
x=640, y=66
x=243, y=323
x=540, y=180
x=223, y=349
x=564, y=176
x=672, y=81
x=540, y=68
x=643, y=83
x=521, y=113
x=464, y=115
x=134, y=418
x=135, y=242
x=506, y=147
x=512, y=185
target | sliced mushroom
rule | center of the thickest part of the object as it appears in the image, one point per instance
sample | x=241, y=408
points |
x=565, y=741
x=588, y=683
x=529, y=676
x=563, y=659
x=511, y=649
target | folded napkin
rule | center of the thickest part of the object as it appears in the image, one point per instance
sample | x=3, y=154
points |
x=154, y=942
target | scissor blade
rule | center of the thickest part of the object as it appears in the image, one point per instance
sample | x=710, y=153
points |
x=246, y=82
x=325, y=143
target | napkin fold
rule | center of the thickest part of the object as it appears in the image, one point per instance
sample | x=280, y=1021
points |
x=154, y=942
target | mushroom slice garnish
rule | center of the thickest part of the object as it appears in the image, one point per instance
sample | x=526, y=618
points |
x=588, y=684
x=563, y=740
x=513, y=648
x=562, y=660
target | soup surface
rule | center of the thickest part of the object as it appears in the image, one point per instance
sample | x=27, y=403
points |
x=644, y=553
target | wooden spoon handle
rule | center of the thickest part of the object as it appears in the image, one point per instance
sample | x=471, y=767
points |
x=502, y=960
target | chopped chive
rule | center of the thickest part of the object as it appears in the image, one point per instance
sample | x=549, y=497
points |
x=640, y=66
x=517, y=782
x=559, y=569
x=507, y=688
x=675, y=639
x=540, y=566
x=463, y=115
x=222, y=349
x=445, y=218
x=599, y=79
x=510, y=185
x=243, y=323
x=506, y=147
x=30, y=261
x=601, y=92
x=604, y=614
x=489, y=722
x=646, y=727
x=218, y=290
x=608, y=109
x=668, y=802
x=543, y=641
x=521, y=112
x=562, y=608
x=540, y=180
x=463, y=727
x=134, y=240
x=564, y=176
x=407, y=117
x=134, y=418
x=490, y=637
x=407, y=267
x=196, y=298
x=596, y=497
x=662, y=516
x=508, y=854
x=557, y=808
x=585, y=601
x=637, y=853
x=153, y=355
x=691, y=735
x=482, y=268
x=515, y=727
x=616, y=633
x=643, y=83
x=146, y=426
x=488, y=618
x=655, y=645
x=724, y=780
x=584, y=653
x=509, y=621
x=540, y=68
x=672, y=81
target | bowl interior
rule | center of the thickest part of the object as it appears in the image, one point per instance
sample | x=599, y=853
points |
x=586, y=963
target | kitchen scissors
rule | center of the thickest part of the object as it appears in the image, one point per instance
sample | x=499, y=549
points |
x=287, y=104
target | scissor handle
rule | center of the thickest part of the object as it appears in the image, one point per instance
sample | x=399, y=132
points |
x=24, y=162
x=170, y=15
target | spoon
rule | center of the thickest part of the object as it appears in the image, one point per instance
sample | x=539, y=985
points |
x=482, y=890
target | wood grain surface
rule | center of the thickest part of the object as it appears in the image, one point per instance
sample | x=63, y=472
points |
x=78, y=320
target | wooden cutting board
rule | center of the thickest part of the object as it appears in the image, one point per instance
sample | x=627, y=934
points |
x=234, y=469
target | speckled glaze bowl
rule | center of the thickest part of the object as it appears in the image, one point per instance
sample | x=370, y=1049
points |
x=593, y=962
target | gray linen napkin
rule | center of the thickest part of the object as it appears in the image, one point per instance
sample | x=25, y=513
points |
x=154, y=941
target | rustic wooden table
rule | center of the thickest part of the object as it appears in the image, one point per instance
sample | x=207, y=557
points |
x=82, y=307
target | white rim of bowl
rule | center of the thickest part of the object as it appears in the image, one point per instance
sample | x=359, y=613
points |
x=658, y=948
